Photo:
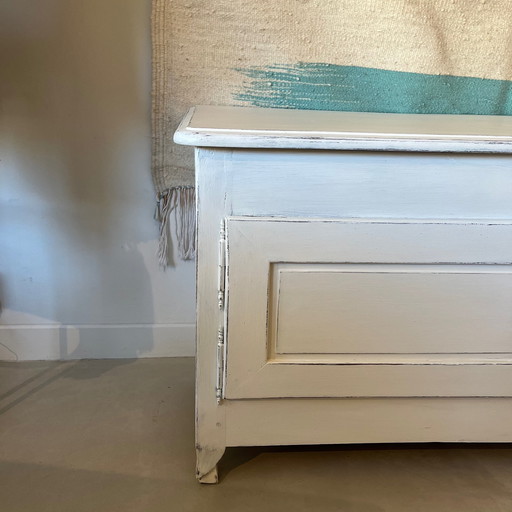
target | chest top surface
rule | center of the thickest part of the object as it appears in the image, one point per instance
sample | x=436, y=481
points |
x=249, y=127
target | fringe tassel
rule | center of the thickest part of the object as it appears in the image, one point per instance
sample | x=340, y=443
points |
x=181, y=201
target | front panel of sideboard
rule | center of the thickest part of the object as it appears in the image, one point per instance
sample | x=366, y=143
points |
x=341, y=308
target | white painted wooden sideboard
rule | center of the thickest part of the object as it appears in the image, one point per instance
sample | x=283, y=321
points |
x=354, y=278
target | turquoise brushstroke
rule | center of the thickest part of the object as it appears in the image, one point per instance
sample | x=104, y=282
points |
x=317, y=86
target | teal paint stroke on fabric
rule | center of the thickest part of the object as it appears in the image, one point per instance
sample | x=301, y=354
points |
x=319, y=86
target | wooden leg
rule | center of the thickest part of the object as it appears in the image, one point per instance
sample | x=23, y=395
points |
x=212, y=477
x=207, y=459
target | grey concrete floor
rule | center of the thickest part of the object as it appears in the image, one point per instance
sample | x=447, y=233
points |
x=118, y=435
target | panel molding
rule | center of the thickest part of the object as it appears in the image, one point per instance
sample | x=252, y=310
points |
x=354, y=297
x=258, y=243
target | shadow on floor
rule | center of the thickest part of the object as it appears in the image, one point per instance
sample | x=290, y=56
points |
x=239, y=456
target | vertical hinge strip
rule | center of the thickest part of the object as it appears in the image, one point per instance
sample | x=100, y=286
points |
x=221, y=348
x=222, y=266
x=220, y=364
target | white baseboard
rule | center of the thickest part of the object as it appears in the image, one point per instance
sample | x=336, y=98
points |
x=58, y=342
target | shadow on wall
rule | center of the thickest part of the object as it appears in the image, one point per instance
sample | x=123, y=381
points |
x=76, y=187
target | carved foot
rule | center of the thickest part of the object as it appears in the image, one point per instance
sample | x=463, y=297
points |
x=207, y=459
x=212, y=477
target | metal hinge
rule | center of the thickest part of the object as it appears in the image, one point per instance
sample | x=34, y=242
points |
x=221, y=348
x=222, y=266
x=219, y=389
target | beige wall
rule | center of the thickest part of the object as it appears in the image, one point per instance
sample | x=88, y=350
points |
x=78, y=272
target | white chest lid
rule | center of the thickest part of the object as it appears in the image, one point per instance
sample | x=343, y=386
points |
x=250, y=127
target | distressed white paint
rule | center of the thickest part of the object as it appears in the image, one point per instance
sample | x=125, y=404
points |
x=370, y=184
x=414, y=244
x=246, y=127
x=210, y=423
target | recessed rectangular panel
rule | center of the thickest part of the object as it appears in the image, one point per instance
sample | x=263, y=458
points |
x=402, y=309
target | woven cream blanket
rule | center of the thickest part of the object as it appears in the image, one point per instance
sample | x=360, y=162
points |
x=422, y=56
